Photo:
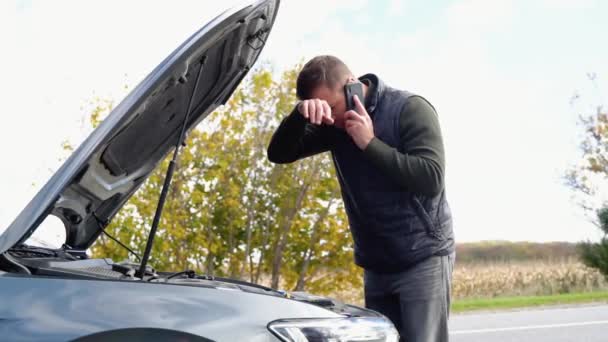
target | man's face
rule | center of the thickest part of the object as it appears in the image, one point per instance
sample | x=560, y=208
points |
x=335, y=99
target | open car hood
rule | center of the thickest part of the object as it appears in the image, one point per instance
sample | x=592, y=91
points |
x=110, y=165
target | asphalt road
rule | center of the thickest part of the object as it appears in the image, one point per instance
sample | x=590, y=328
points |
x=585, y=323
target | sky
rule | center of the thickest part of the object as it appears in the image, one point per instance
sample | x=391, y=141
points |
x=501, y=74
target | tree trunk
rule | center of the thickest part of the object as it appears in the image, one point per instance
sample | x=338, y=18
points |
x=266, y=232
x=282, y=239
x=309, y=252
x=258, y=272
x=209, y=262
x=246, y=256
x=250, y=217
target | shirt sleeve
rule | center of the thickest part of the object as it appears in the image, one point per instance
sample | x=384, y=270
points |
x=420, y=167
x=296, y=138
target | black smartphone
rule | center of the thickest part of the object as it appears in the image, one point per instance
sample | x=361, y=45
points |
x=350, y=89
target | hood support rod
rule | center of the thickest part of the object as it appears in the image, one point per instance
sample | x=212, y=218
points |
x=169, y=176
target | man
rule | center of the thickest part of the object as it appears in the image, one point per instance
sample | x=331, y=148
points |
x=389, y=158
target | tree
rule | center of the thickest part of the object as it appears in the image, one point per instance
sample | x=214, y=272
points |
x=589, y=178
x=230, y=212
x=595, y=255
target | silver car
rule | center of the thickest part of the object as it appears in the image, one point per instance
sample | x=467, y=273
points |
x=62, y=294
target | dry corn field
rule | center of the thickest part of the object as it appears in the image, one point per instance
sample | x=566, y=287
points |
x=513, y=278
x=526, y=278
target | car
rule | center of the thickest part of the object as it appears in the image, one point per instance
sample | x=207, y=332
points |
x=62, y=294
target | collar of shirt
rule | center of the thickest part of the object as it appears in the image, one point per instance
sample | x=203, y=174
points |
x=374, y=91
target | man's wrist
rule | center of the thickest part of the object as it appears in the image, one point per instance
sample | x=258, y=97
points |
x=377, y=152
x=365, y=143
x=372, y=146
x=296, y=113
x=297, y=107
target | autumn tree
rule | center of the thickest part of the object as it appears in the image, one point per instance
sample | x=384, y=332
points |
x=230, y=212
x=595, y=254
x=589, y=178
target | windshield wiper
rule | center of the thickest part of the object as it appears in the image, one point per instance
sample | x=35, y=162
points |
x=190, y=274
x=32, y=250
x=26, y=251
x=169, y=176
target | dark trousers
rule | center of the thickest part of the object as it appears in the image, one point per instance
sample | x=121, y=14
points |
x=417, y=300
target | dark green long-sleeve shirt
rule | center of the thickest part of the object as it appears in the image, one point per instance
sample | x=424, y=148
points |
x=420, y=169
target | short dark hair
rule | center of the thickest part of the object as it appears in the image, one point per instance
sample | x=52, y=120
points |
x=321, y=70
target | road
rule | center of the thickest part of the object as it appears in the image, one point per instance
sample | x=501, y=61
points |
x=585, y=323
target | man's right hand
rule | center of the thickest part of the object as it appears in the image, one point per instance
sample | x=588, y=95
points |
x=316, y=111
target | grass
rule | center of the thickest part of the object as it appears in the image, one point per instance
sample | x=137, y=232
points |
x=464, y=305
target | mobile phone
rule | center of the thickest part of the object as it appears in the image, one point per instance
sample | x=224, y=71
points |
x=350, y=89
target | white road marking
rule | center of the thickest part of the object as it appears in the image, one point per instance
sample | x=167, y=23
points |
x=529, y=327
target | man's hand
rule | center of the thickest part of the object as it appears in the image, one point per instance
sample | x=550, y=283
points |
x=316, y=111
x=359, y=125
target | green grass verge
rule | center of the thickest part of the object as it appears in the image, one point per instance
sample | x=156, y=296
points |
x=521, y=302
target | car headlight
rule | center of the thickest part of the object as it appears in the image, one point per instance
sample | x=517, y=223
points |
x=360, y=329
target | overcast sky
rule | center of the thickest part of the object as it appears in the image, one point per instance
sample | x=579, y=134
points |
x=500, y=73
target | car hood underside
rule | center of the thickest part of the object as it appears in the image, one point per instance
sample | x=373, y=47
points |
x=111, y=164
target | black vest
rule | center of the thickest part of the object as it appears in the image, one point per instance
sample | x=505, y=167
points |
x=392, y=228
